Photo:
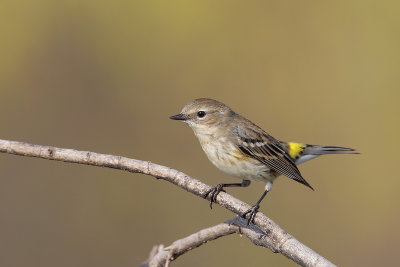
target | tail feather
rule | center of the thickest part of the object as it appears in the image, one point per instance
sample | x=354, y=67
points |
x=321, y=150
x=301, y=152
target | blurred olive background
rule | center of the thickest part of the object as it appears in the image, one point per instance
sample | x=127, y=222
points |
x=105, y=76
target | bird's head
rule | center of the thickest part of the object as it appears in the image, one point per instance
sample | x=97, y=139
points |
x=204, y=113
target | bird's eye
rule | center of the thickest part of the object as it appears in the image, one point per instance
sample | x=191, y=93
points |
x=201, y=114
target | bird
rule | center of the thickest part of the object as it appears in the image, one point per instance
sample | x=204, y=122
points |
x=240, y=148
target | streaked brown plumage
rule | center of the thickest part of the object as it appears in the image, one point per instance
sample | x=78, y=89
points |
x=240, y=148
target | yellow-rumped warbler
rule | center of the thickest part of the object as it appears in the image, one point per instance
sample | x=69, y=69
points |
x=240, y=148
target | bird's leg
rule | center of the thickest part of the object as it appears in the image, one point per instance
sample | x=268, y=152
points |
x=214, y=191
x=254, y=209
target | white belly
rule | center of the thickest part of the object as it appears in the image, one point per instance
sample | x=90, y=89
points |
x=243, y=168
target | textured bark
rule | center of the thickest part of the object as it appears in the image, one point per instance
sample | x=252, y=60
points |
x=273, y=237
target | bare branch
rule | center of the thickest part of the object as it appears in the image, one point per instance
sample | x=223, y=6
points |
x=275, y=238
x=161, y=256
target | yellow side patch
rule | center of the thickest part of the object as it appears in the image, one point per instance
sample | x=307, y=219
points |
x=240, y=155
x=295, y=149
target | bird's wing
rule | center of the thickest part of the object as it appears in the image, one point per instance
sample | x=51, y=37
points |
x=256, y=143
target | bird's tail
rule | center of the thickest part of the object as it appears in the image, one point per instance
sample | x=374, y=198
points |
x=301, y=152
x=322, y=150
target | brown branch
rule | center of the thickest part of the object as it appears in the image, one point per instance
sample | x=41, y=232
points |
x=161, y=256
x=276, y=239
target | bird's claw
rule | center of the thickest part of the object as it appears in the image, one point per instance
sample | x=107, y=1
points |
x=253, y=211
x=213, y=193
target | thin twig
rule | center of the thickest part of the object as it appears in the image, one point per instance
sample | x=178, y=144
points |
x=161, y=256
x=276, y=239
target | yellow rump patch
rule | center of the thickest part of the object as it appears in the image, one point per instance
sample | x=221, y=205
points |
x=295, y=149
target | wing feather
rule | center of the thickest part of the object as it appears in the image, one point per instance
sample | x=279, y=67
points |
x=256, y=143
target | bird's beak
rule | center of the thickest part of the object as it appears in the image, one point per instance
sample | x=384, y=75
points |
x=178, y=117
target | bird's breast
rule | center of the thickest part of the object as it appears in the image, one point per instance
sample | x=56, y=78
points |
x=229, y=159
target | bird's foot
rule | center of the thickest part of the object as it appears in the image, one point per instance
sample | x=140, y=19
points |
x=213, y=193
x=253, y=211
